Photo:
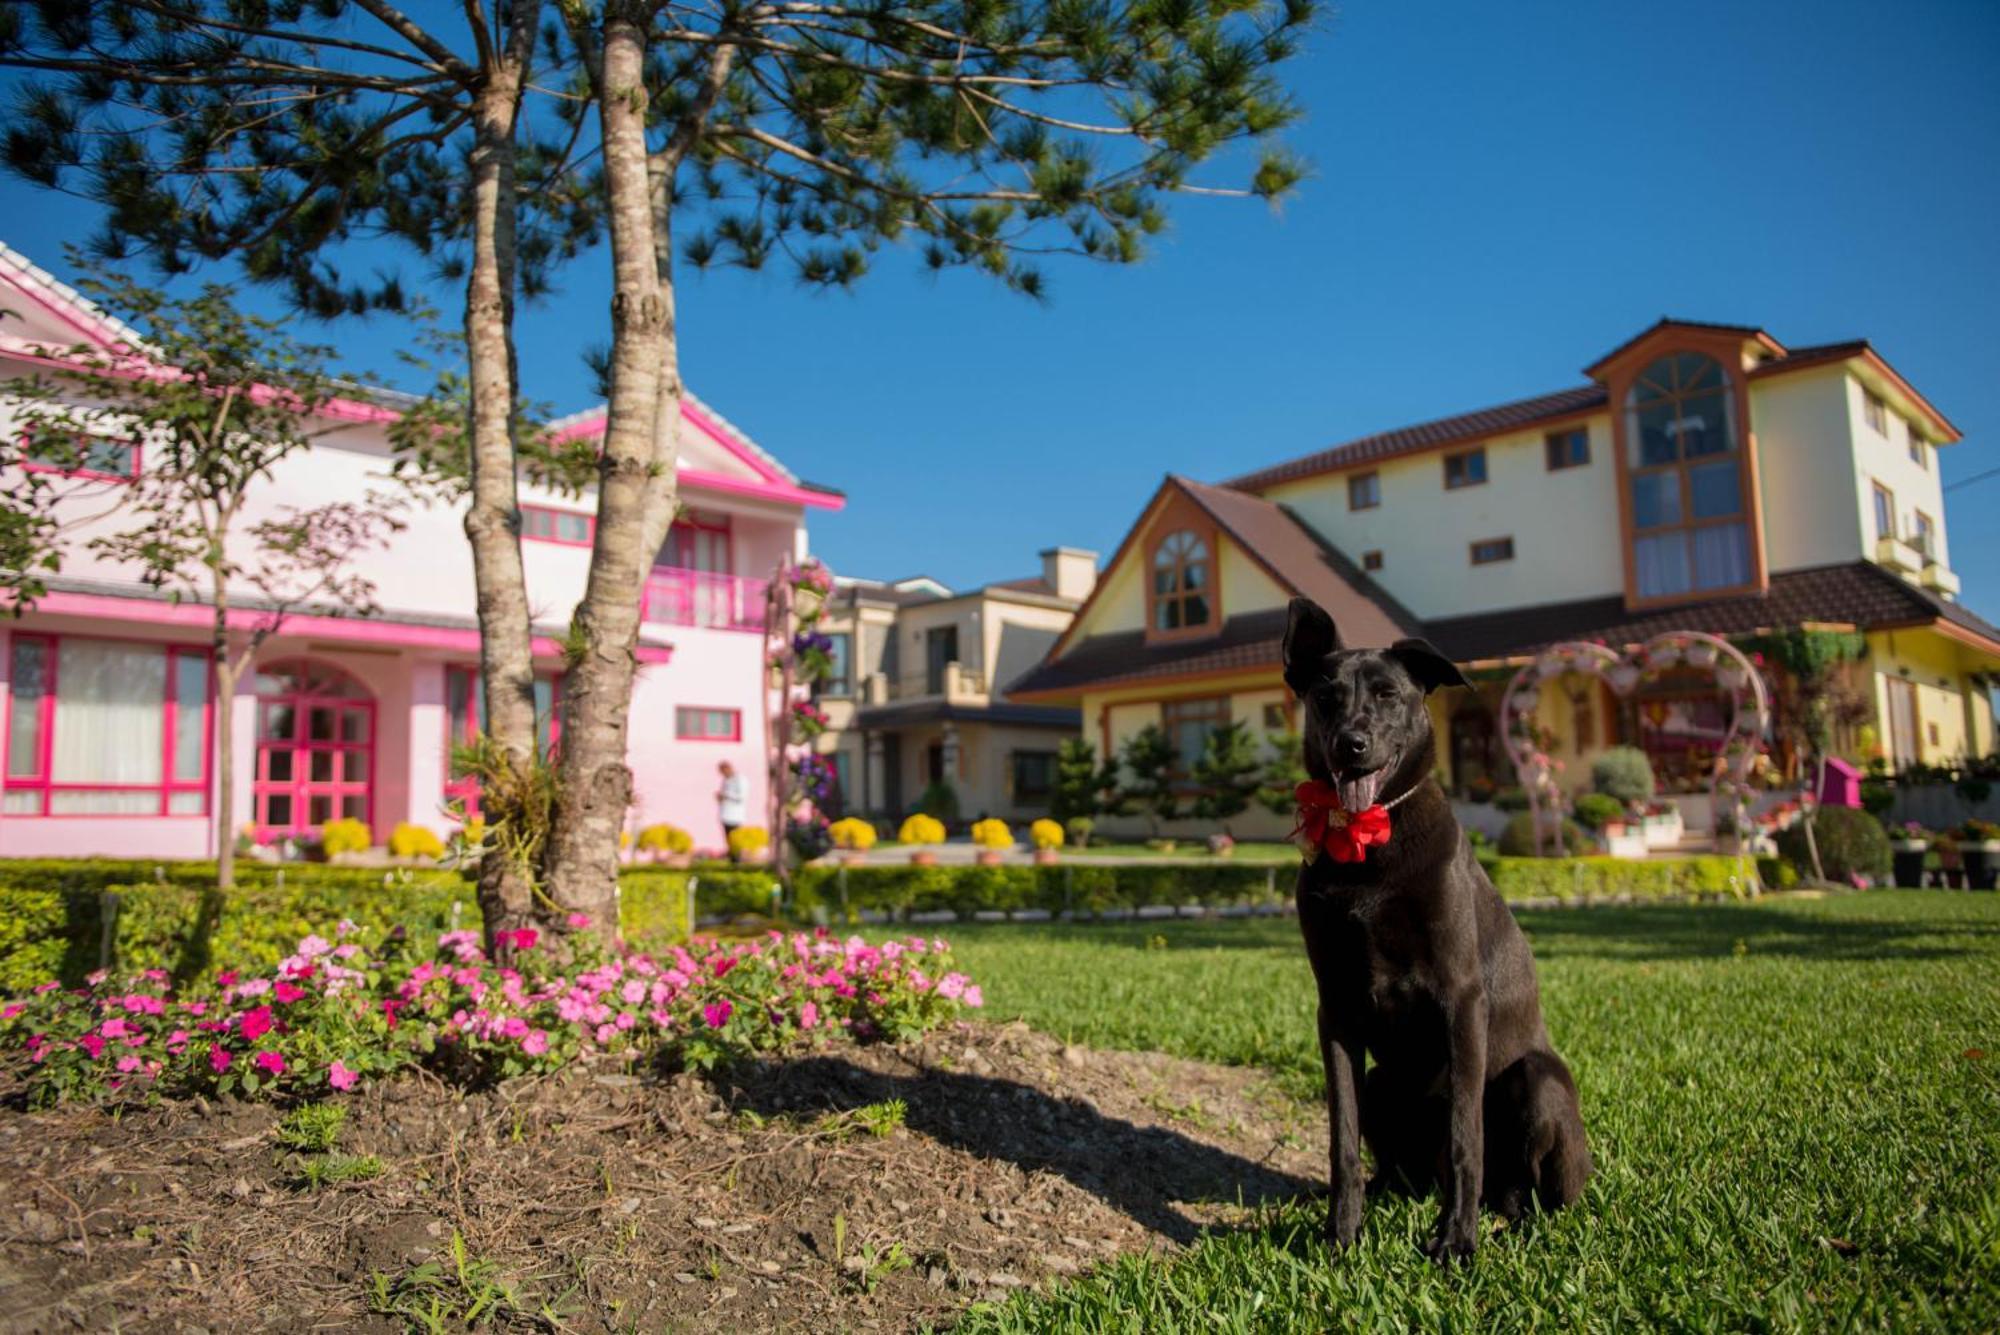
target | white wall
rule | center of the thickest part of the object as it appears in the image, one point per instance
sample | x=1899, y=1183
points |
x=1886, y=459
x=1813, y=515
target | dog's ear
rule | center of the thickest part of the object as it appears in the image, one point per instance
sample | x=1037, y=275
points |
x=1426, y=666
x=1309, y=638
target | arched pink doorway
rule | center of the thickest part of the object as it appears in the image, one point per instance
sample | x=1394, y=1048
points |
x=315, y=749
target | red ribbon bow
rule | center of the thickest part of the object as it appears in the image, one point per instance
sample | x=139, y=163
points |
x=1324, y=824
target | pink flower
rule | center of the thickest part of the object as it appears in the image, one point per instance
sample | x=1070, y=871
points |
x=129, y=1063
x=633, y=992
x=722, y=965
x=536, y=1043
x=314, y=945
x=271, y=1063
x=578, y=921
x=339, y=1076
x=218, y=1060
x=114, y=1028
x=716, y=1013
x=809, y=1016
x=256, y=1024
x=92, y=1044
x=974, y=997
x=287, y=993
x=13, y=1010
x=525, y=938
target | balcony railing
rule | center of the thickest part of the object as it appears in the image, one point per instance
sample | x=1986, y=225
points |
x=702, y=598
x=951, y=681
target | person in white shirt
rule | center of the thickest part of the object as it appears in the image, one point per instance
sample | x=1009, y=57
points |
x=729, y=799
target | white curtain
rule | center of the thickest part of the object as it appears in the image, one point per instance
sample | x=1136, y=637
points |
x=109, y=706
x=1721, y=556
x=1662, y=564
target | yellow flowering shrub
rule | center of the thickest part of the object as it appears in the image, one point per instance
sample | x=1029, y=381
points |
x=1046, y=834
x=992, y=833
x=346, y=836
x=747, y=839
x=921, y=829
x=853, y=833
x=664, y=838
x=415, y=841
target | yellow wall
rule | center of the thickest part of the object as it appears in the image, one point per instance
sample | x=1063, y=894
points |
x=1961, y=713
x=1245, y=585
x=1120, y=600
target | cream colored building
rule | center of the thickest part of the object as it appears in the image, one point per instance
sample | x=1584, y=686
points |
x=919, y=694
x=1704, y=477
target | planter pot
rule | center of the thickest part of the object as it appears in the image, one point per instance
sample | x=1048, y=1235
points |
x=754, y=858
x=679, y=859
x=1163, y=845
x=990, y=857
x=923, y=857
x=851, y=858
x=807, y=601
x=1047, y=857
x=1701, y=655
x=1908, y=858
x=1982, y=864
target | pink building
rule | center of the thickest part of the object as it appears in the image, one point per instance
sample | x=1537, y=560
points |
x=106, y=697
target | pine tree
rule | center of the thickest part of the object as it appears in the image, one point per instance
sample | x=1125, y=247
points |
x=1150, y=761
x=1226, y=774
x=1076, y=781
x=1284, y=771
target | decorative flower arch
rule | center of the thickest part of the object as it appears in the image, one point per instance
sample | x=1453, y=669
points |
x=1749, y=716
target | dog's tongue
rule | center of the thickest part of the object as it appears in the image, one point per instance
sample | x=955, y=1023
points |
x=1358, y=794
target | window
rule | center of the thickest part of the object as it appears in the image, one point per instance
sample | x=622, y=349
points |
x=1918, y=454
x=565, y=526
x=315, y=749
x=699, y=540
x=1465, y=469
x=1034, y=777
x=465, y=719
x=1567, y=449
x=1371, y=560
x=1180, y=582
x=1885, y=512
x=837, y=761
x=1277, y=718
x=107, y=728
x=1690, y=530
x=1364, y=491
x=1875, y=411
x=1923, y=534
x=1486, y=552
x=699, y=723
x=1188, y=724
x=88, y=457
x=838, y=683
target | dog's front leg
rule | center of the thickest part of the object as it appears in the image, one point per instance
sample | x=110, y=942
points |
x=1458, y=1223
x=1343, y=1058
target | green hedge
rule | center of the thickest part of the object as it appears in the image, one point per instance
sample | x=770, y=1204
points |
x=51, y=913
x=1603, y=877
x=1076, y=886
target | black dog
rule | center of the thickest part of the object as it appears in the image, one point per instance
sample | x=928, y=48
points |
x=1419, y=964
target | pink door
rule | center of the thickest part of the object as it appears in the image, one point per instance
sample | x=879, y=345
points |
x=315, y=749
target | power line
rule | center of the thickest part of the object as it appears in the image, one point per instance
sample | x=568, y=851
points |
x=1976, y=477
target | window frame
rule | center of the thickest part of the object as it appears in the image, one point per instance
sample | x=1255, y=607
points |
x=1918, y=447
x=1739, y=454
x=1371, y=560
x=1373, y=477
x=1190, y=709
x=1026, y=797
x=716, y=524
x=555, y=513
x=43, y=781
x=1181, y=594
x=1477, y=452
x=1506, y=541
x=840, y=687
x=1883, y=501
x=464, y=788
x=1552, y=440
x=136, y=454
x=1875, y=412
x=683, y=712
x=1923, y=535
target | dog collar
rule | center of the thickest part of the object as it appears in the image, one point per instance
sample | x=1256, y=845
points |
x=1325, y=826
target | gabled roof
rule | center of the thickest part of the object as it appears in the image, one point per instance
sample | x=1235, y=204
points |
x=1857, y=593
x=1244, y=643
x=1750, y=333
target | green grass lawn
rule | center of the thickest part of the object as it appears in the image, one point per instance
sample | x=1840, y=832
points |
x=1795, y=1107
x=1260, y=852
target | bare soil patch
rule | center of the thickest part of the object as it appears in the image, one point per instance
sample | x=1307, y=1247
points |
x=781, y=1195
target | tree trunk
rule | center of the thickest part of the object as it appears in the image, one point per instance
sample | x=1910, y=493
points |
x=506, y=662
x=634, y=500
x=227, y=673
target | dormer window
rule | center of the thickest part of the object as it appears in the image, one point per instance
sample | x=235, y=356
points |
x=1687, y=489
x=1181, y=582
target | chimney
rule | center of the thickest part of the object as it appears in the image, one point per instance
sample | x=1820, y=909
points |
x=1070, y=571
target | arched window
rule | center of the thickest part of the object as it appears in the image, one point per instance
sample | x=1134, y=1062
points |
x=315, y=748
x=1689, y=529
x=1180, y=582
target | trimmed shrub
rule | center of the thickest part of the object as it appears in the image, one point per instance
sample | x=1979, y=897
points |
x=940, y=801
x=1851, y=843
x=1511, y=799
x=747, y=840
x=921, y=829
x=853, y=833
x=1046, y=834
x=992, y=833
x=1624, y=772
x=415, y=841
x=665, y=838
x=1594, y=811
x=345, y=836
x=1518, y=839
x=1604, y=877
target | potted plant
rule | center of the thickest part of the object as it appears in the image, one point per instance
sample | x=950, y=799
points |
x=1222, y=845
x=1979, y=845
x=1047, y=837
x=667, y=843
x=811, y=583
x=1908, y=844
x=992, y=838
x=919, y=833
x=345, y=840
x=1080, y=829
x=853, y=837
x=1601, y=812
x=749, y=845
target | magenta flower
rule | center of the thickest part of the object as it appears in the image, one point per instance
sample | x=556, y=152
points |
x=271, y=1063
x=716, y=1013
x=973, y=997
x=129, y=1063
x=809, y=1015
x=93, y=1044
x=339, y=1076
x=287, y=993
x=578, y=921
x=114, y=1028
x=536, y=1043
x=218, y=1060
x=256, y=1024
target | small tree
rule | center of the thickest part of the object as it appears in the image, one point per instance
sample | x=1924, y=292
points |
x=1077, y=783
x=1149, y=760
x=1810, y=698
x=1227, y=774
x=1284, y=771
x=211, y=402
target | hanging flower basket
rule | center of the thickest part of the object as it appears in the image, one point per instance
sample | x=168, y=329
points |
x=1702, y=654
x=1623, y=677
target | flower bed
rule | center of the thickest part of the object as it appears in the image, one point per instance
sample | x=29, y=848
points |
x=365, y=1004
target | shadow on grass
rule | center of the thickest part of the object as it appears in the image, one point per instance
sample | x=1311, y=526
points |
x=1709, y=931
x=1142, y=1171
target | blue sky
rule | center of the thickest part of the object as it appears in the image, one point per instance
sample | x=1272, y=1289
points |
x=1500, y=193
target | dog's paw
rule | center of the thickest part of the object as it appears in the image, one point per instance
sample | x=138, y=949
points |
x=1449, y=1247
x=1343, y=1222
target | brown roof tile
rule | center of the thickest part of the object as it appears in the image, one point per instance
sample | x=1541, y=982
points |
x=1124, y=658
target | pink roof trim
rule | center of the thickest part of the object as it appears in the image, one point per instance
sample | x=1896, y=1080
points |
x=771, y=486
